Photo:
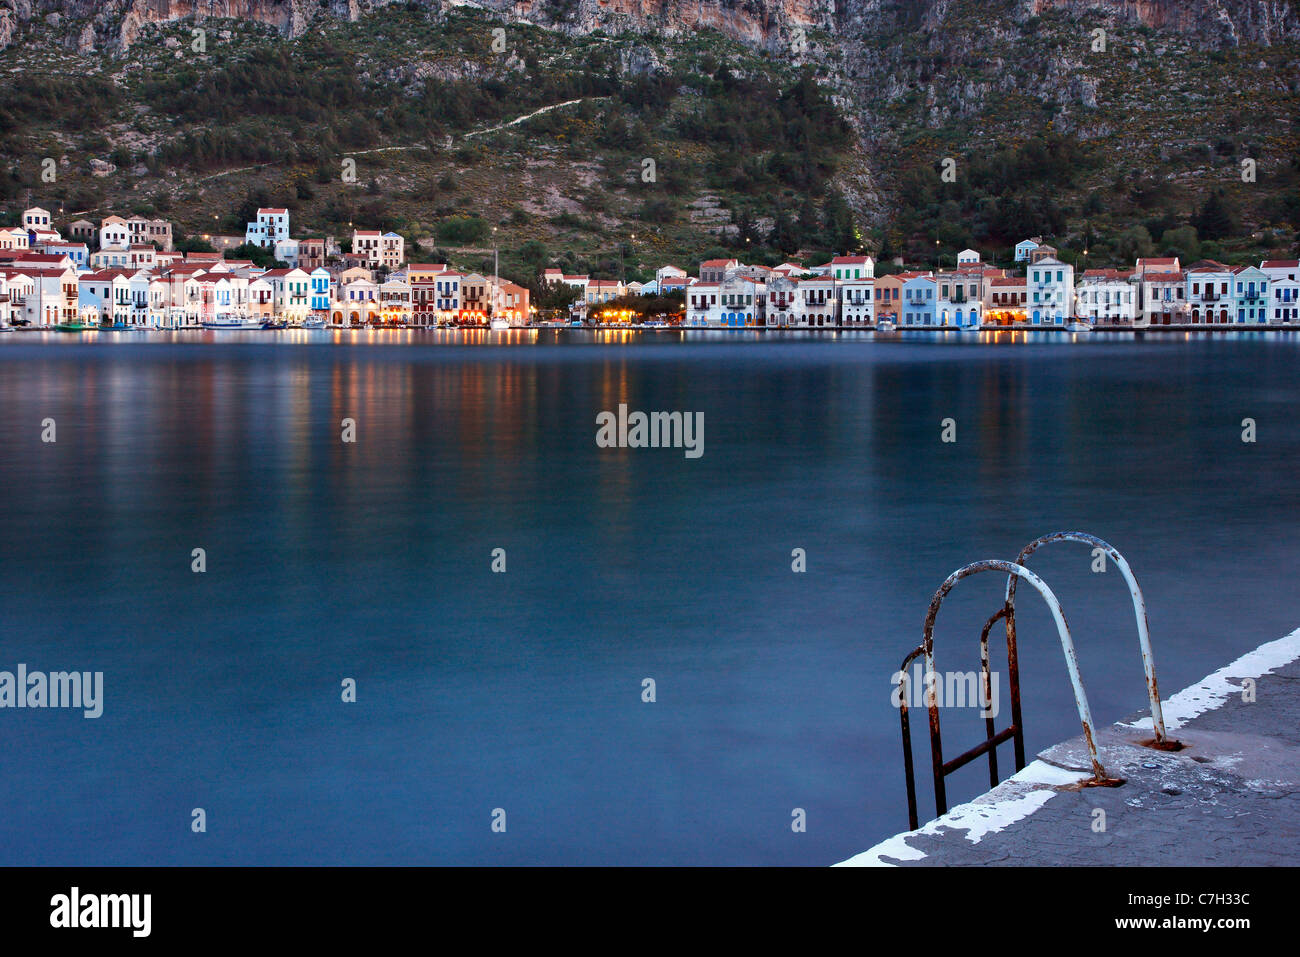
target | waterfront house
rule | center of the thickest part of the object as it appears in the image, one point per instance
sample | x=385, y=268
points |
x=157, y=232
x=1162, y=266
x=16, y=289
x=141, y=256
x=138, y=292
x=311, y=254
x=959, y=299
x=366, y=243
x=30, y=261
x=270, y=227
x=511, y=302
x=715, y=270
x=395, y=307
x=1276, y=269
x=1209, y=291
x=114, y=231
x=360, y=301
x=287, y=251
x=1284, y=297
x=423, y=278
x=392, y=250
x=354, y=273
x=1051, y=290
x=39, y=238
x=96, y=296
x=35, y=218
x=1107, y=297
x=816, y=302
x=670, y=278
x=473, y=299
x=447, y=293
x=702, y=304
x=602, y=290
x=1250, y=295
x=852, y=267
x=1005, y=300
x=82, y=230
x=111, y=257
x=918, y=304
x=1026, y=247
x=14, y=238
x=321, y=291
x=739, y=303
x=261, y=299
x=1162, y=299
x=888, y=291
x=292, y=288
x=1040, y=252
x=53, y=296
x=856, y=306
x=78, y=253
x=781, y=301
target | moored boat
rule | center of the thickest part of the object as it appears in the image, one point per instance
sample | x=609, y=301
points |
x=232, y=322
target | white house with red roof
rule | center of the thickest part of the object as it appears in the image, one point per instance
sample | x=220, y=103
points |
x=852, y=267
x=15, y=238
x=857, y=307
x=53, y=298
x=1162, y=298
x=1162, y=265
x=79, y=253
x=1284, y=301
x=270, y=227
x=114, y=231
x=715, y=270
x=15, y=288
x=817, y=303
x=1107, y=297
x=1276, y=269
x=1209, y=291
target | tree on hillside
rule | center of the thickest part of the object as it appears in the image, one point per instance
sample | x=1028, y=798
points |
x=1133, y=244
x=1181, y=242
x=1215, y=219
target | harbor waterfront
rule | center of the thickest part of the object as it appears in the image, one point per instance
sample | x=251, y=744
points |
x=522, y=689
x=128, y=276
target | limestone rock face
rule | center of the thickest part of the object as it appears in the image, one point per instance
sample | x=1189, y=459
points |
x=113, y=25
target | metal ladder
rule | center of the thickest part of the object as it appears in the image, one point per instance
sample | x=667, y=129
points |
x=1015, y=731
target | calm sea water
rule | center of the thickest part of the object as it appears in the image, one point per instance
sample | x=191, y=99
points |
x=522, y=690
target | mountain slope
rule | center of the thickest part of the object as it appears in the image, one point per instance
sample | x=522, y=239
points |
x=1109, y=149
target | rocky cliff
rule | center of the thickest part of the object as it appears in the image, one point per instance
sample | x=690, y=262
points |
x=113, y=25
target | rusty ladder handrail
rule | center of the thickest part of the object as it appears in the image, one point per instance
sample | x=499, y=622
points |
x=941, y=769
x=1139, y=611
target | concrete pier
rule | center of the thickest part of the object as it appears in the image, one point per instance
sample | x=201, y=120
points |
x=1230, y=797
